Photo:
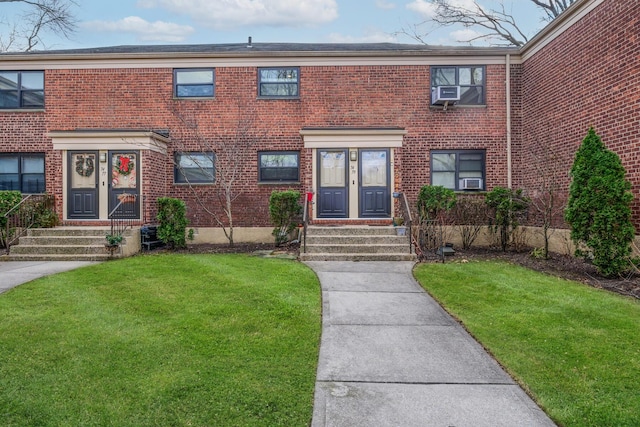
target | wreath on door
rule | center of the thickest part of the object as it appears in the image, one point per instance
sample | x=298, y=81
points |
x=84, y=166
x=124, y=165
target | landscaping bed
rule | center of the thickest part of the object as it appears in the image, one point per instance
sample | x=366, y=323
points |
x=564, y=266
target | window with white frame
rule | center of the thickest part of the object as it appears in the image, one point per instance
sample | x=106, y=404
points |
x=458, y=169
x=279, y=166
x=22, y=172
x=471, y=80
x=21, y=89
x=194, y=83
x=279, y=82
x=194, y=168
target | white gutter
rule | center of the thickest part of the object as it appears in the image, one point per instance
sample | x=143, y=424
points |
x=508, y=96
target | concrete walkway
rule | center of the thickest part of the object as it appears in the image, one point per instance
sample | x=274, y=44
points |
x=391, y=356
x=14, y=273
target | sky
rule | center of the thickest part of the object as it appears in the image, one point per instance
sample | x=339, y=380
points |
x=139, y=22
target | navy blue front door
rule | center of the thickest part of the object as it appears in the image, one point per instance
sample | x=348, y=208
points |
x=375, y=197
x=82, y=189
x=333, y=194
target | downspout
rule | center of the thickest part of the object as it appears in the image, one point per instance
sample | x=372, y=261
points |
x=508, y=95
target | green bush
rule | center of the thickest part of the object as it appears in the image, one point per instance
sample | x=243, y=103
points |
x=8, y=199
x=433, y=200
x=509, y=207
x=172, y=221
x=284, y=210
x=599, y=207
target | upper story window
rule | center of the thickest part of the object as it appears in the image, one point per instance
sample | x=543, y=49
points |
x=21, y=89
x=194, y=83
x=279, y=166
x=195, y=168
x=471, y=80
x=22, y=172
x=458, y=169
x=279, y=82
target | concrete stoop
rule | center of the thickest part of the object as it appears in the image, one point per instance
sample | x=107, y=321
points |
x=356, y=243
x=66, y=244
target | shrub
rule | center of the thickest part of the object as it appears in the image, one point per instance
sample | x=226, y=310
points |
x=509, y=207
x=469, y=216
x=8, y=199
x=599, y=207
x=284, y=210
x=172, y=222
x=433, y=200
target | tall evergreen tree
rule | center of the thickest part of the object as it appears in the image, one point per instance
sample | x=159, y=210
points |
x=599, y=207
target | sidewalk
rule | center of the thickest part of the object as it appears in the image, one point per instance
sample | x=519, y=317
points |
x=14, y=273
x=391, y=356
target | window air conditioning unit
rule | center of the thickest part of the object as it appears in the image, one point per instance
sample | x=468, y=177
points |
x=445, y=94
x=471, y=183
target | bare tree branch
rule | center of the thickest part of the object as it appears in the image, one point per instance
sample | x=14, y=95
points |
x=39, y=17
x=496, y=26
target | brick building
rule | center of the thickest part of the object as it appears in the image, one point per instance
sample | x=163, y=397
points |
x=351, y=123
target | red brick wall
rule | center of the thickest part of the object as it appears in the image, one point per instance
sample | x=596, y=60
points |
x=588, y=76
x=331, y=96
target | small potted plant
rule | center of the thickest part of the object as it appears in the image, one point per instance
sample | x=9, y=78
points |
x=113, y=242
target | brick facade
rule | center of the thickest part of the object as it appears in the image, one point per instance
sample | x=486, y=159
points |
x=585, y=77
x=575, y=81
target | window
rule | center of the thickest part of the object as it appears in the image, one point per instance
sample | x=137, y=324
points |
x=458, y=170
x=21, y=89
x=195, y=168
x=278, y=82
x=470, y=79
x=279, y=166
x=22, y=172
x=194, y=83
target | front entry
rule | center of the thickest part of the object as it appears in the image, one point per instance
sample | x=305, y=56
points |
x=354, y=183
x=332, y=185
x=375, y=197
x=124, y=189
x=83, y=185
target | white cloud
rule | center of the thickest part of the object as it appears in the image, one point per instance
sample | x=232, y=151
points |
x=371, y=36
x=423, y=8
x=384, y=4
x=428, y=10
x=465, y=35
x=228, y=14
x=144, y=30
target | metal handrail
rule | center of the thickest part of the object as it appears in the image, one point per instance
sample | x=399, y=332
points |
x=119, y=219
x=305, y=220
x=408, y=219
x=23, y=216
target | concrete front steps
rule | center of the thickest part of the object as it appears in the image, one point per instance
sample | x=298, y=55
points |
x=66, y=244
x=355, y=243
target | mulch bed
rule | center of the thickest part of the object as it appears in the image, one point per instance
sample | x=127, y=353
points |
x=557, y=265
x=563, y=266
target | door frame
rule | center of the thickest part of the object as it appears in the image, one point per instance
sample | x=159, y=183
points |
x=334, y=192
x=115, y=195
x=94, y=212
x=383, y=192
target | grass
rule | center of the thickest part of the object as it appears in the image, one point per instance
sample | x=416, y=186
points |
x=576, y=349
x=163, y=340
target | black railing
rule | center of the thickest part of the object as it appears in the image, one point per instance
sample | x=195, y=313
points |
x=122, y=216
x=23, y=216
x=406, y=215
x=305, y=219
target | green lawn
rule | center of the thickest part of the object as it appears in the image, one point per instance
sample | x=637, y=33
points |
x=162, y=340
x=574, y=348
